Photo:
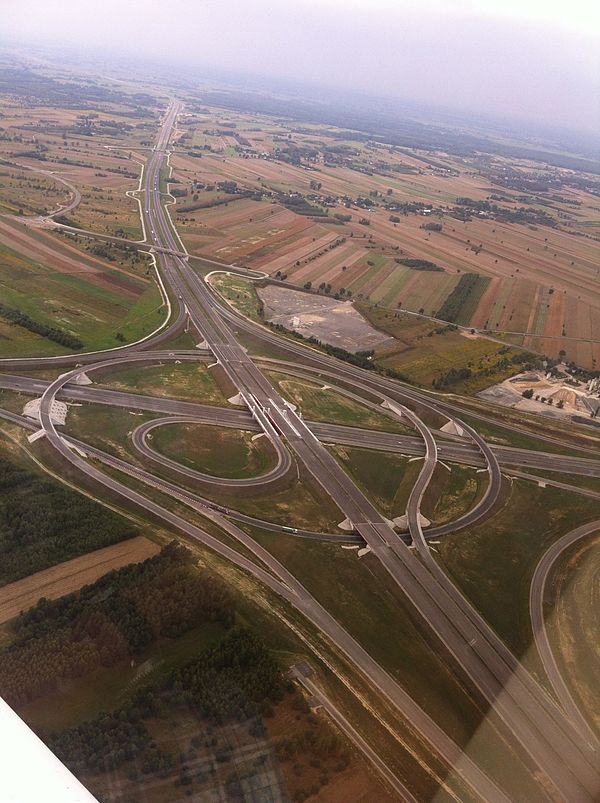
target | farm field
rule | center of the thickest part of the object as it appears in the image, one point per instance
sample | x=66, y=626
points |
x=67, y=577
x=24, y=192
x=350, y=217
x=57, y=286
x=55, y=149
x=345, y=216
x=429, y=354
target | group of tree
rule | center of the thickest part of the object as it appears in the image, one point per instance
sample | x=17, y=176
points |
x=301, y=206
x=42, y=523
x=234, y=680
x=523, y=359
x=523, y=214
x=118, y=616
x=18, y=318
x=418, y=264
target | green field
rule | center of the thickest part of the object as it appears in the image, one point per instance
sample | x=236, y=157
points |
x=220, y=451
x=107, y=688
x=318, y=404
x=95, y=314
x=186, y=381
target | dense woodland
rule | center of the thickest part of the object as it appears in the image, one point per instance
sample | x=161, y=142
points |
x=42, y=523
x=117, y=617
x=468, y=284
x=237, y=679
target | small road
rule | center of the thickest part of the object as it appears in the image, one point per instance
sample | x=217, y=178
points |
x=300, y=674
x=140, y=435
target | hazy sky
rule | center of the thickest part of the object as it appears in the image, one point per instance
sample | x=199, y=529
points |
x=533, y=59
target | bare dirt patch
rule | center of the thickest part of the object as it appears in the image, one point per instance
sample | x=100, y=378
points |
x=330, y=321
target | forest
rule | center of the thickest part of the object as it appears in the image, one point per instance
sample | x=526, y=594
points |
x=236, y=679
x=117, y=617
x=42, y=523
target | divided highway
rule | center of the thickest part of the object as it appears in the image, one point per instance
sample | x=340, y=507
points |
x=567, y=762
x=566, y=759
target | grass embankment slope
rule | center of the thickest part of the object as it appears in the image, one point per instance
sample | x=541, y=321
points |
x=572, y=599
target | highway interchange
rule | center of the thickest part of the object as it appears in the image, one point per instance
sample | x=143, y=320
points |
x=554, y=736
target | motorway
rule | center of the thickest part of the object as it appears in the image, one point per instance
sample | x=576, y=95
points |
x=454, y=451
x=275, y=577
x=566, y=761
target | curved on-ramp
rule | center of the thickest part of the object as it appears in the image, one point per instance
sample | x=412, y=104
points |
x=139, y=439
x=538, y=623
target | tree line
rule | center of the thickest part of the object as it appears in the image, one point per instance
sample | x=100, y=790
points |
x=455, y=301
x=18, y=318
x=419, y=264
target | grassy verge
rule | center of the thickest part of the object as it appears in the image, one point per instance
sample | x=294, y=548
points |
x=506, y=437
x=185, y=381
x=572, y=599
x=325, y=404
x=240, y=293
x=581, y=481
x=386, y=478
x=450, y=494
x=494, y=562
x=220, y=451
